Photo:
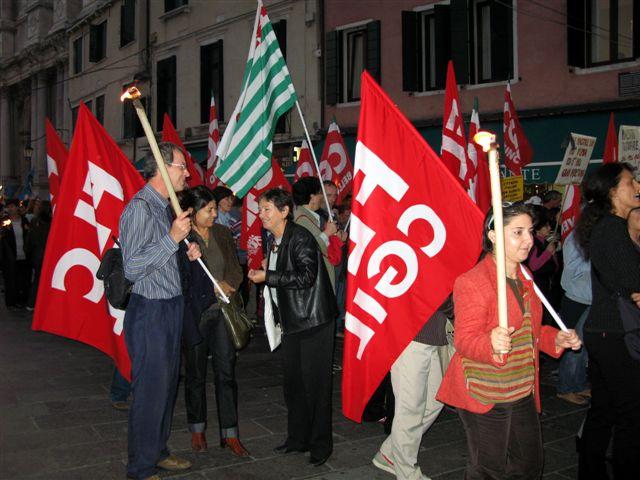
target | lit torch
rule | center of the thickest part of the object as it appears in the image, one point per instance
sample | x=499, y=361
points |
x=488, y=143
x=132, y=93
x=6, y=223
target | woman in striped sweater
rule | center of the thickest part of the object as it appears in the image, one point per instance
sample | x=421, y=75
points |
x=497, y=395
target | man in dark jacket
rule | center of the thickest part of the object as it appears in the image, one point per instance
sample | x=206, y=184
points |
x=16, y=267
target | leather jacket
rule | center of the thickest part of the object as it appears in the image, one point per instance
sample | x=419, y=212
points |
x=304, y=292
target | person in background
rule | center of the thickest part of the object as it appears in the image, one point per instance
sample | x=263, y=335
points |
x=332, y=195
x=493, y=377
x=119, y=391
x=573, y=385
x=219, y=253
x=610, y=193
x=633, y=226
x=305, y=306
x=16, y=268
x=552, y=199
x=36, y=244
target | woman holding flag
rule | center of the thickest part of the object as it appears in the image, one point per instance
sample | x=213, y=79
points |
x=493, y=377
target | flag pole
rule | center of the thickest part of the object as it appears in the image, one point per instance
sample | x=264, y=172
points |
x=315, y=161
x=488, y=143
x=133, y=94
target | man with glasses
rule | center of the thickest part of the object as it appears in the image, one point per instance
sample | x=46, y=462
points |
x=150, y=241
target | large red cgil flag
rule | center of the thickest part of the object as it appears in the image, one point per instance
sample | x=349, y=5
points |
x=213, y=140
x=251, y=235
x=517, y=151
x=169, y=134
x=611, y=143
x=304, y=167
x=335, y=164
x=480, y=184
x=570, y=211
x=414, y=229
x=57, y=155
x=98, y=182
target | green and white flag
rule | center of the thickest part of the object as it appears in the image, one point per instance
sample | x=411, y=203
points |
x=267, y=93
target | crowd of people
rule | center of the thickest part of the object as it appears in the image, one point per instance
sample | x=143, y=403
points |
x=174, y=318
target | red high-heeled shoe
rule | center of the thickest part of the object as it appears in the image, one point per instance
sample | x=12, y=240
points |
x=235, y=445
x=198, y=442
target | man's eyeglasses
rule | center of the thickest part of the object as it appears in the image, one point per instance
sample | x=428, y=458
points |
x=181, y=166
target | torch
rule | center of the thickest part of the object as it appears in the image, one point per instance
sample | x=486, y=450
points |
x=132, y=93
x=488, y=143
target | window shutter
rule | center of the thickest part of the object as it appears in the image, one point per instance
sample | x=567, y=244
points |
x=443, y=43
x=636, y=29
x=127, y=22
x=280, y=30
x=372, y=59
x=411, y=52
x=459, y=14
x=332, y=67
x=166, y=81
x=576, y=35
x=94, y=40
x=501, y=40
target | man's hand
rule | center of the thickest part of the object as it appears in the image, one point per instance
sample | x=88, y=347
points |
x=181, y=227
x=330, y=228
x=226, y=288
x=193, y=251
x=257, y=276
x=568, y=339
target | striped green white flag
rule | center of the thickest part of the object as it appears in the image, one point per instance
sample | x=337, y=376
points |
x=267, y=93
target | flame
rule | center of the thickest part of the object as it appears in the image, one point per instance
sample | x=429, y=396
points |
x=130, y=93
x=484, y=139
x=6, y=223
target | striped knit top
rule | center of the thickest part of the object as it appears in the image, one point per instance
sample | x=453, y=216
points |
x=512, y=381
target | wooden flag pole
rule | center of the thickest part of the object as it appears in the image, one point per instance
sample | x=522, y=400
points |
x=488, y=143
x=133, y=94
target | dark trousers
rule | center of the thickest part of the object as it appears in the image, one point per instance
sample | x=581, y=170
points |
x=120, y=388
x=152, y=330
x=307, y=357
x=505, y=442
x=17, y=282
x=615, y=408
x=216, y=342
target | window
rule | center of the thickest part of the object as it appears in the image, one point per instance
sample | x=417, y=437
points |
x=211, y=80
x=127, y=22
x=347, y=53
x=166, y=81
x=89, y=105
x=602, y=32
x=98, y=42
x=280, y=29
x=74, y=117
x=173, y=4
x=100, y=109
x=425, y=49
x=130, y=123
x=77, y=55
x=491, y=41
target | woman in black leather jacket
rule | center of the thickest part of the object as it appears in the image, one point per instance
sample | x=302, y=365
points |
x=305, y=306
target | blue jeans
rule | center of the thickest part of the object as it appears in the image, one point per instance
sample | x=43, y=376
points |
x=152, y=331
x=572, y=372
x=120, y=388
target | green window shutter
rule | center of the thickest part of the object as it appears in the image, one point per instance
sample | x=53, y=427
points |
x=459, y=14
x=501, y=40
x=411, y=52
x=576, y=35
x=372, y=59
x=443, y=43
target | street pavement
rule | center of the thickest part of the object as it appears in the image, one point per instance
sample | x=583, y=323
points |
x=56, y=422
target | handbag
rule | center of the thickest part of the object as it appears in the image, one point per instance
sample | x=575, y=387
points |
x=236, y=321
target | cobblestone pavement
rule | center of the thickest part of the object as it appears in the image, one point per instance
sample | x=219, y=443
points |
x=57, y=423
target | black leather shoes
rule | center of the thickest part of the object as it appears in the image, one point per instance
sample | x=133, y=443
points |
x=284, y=449
x=316, y=462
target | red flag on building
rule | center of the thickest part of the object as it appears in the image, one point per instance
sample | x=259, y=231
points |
x=454, y=144
x=98, y=182
x=517, y=151
x=169, y=134
x=413, y=231
x=251, y=236
x=611, y=144
x=57, y=155
x=570, y=211
x=305, y=167
x=480, y=184
x=335, y=164
x=210, y=179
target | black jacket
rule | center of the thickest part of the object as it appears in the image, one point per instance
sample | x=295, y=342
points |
x=303, y=288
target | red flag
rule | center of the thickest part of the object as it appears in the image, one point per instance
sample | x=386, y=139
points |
x=454, y=144
x=305, y=163
x=57, y=155
x=98, y=182
x=480, y=185
x=413, y=231
x=169, y=134
x=213, y=140
x=517, y=151
x=570, y=211
x=611, y=144
x=251, y=236
x=335, y=164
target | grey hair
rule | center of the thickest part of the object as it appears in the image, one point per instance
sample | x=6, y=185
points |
x=150, y=167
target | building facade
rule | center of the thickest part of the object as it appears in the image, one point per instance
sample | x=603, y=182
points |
x=570, y=63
